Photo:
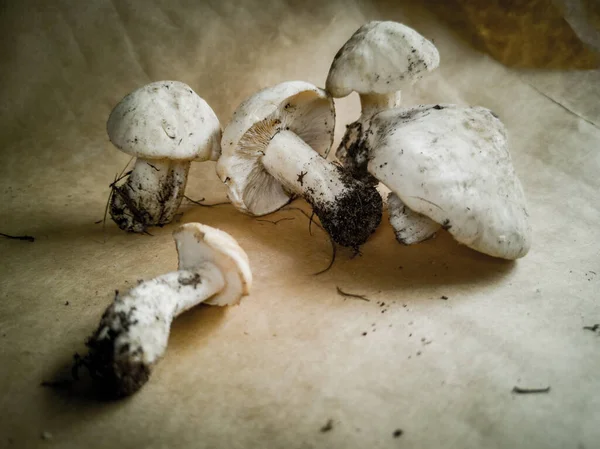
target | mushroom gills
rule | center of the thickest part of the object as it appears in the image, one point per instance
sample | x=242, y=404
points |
x=349, y=210
x=151, y=195
x=410, y=227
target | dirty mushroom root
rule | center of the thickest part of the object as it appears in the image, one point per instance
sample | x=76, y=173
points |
x=274, y=149
x=352, y=216
x=166, y=125
x=150, y=196
x=134, y=330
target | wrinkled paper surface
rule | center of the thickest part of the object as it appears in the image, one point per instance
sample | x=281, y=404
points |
x=273, y=371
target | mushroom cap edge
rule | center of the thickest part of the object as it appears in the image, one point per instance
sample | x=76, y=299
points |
x=198, y=243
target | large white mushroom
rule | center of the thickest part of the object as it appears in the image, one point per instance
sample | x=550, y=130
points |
x=165, y=125
x=133, y=333
x=449, y=166
x=378, y=61
x=274, y=148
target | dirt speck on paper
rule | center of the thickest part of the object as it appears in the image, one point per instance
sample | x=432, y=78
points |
x=327, y=427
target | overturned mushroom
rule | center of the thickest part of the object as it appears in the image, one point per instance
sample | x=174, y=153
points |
x=165, y=125
x=449, y=166
x=134, y=330
x=378, y=61
x=275, y=148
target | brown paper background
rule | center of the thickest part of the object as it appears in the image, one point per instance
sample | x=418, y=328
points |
x=272, y=371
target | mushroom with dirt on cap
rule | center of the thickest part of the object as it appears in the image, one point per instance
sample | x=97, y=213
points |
x=378, y=61
x=165, y=125
x=449, y=166
x=133, y=332
x=275, y=147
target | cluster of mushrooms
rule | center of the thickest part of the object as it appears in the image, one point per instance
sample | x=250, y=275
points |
x=446, y=166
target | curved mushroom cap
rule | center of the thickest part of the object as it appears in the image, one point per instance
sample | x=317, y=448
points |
x=380, y=58
x=452, y=164
x=198, y=243
x=165, y=119
x=296, y=106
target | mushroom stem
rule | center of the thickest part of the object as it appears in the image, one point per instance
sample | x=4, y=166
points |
x=134, y=330
x=409, y=226
x=301, y=170
x=371, y=104
x=349, y=210
x=151, y=195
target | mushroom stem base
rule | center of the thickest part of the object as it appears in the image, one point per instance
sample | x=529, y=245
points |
x=151, y=195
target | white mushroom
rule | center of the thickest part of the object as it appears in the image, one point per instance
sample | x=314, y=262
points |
x=449, y=166
x=165, y=125
x=378, y=61
x=134, y=330
x=275, y=148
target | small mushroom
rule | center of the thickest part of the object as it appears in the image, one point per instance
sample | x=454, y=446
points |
x=165, y=125
x=378, y=61
x=275, y=148
x=134, y=330
x=449, y=166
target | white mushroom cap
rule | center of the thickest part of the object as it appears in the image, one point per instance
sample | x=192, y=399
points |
x=165, y=119
x=296, y=106
x=379, y=58
x=197, y=244
x=452, y=165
